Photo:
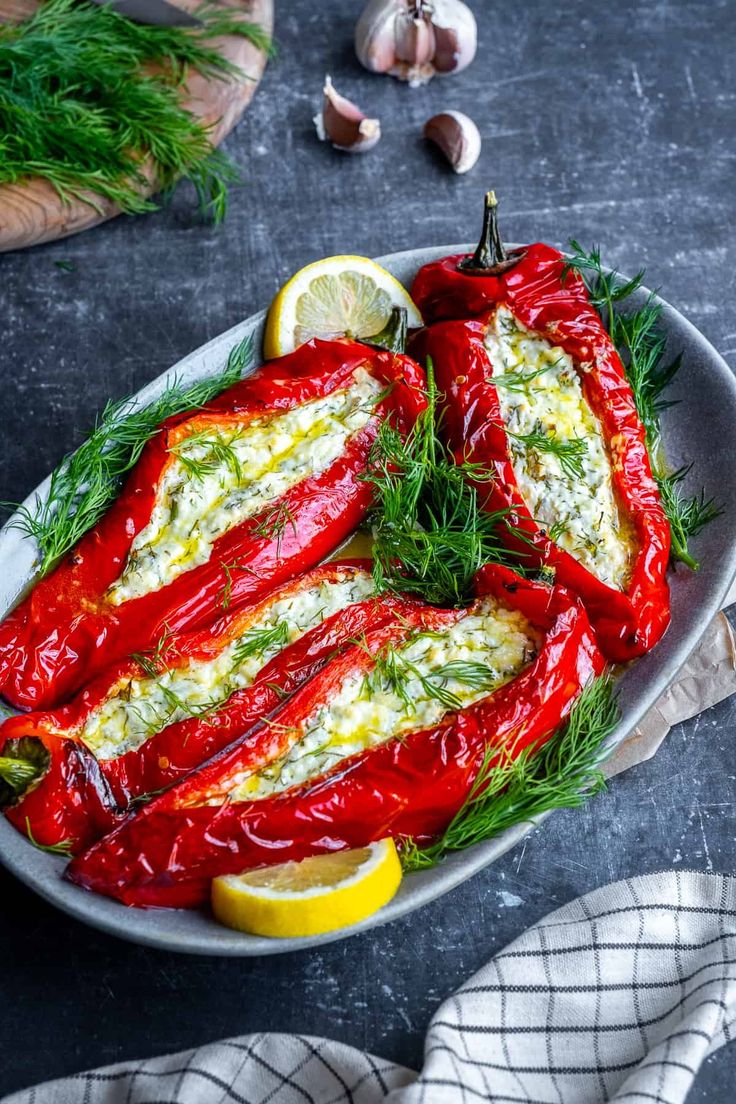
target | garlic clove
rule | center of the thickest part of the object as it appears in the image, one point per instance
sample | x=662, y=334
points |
x=455, y=34
x=343, y=124
x=415, y=47
x=414, y=38
x=457, y=136
x=375, y=35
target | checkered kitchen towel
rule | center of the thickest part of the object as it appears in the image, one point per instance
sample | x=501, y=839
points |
x=619, y=995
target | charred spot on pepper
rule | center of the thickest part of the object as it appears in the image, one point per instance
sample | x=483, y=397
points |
x=23, y=763
x=491, y=257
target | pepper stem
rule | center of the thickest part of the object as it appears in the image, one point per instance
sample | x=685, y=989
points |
x=23, y=762
x=394, y=333
x=17, y=773
x=490, y=251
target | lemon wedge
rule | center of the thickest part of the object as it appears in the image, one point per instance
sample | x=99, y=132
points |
x=334, y=297
x=316, y=895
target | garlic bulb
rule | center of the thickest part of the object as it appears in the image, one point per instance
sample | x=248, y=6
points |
x=344, y=124
x=416, y=39
x=457, y=136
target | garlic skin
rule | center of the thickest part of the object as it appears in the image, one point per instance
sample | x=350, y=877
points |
x=415, y=40
x=456, y=36
x=375, y=35
x=343, y=124
x=457, y=136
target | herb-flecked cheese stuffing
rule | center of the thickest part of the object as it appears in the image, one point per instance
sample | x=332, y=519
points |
x=371, y=709
x=539, y=391
x=219, y=478
x=140, y=707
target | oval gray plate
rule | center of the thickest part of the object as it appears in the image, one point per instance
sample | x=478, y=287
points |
x=702, y=429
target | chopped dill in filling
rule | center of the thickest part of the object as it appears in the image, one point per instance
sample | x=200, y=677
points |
x=559, y=457
x=219, y=478
x=140, y=707
x=410, y=687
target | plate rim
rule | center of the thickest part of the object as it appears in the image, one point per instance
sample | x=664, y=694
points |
x=41, y=875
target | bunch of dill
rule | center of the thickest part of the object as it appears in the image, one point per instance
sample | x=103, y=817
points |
x=89, y=100
x=431, y=533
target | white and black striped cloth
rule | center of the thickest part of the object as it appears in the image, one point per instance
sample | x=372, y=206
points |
x=619, y=995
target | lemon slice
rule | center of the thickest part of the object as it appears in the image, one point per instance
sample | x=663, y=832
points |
x=334, y=297
x=310, y=897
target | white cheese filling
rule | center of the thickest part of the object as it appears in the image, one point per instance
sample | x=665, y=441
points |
x=539, y=393
x=140, y=707
x=219, y=478
x=411, y=688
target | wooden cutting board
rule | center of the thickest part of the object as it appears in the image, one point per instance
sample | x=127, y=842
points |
x=32, y=212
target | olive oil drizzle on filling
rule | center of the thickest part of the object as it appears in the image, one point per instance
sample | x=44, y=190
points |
x=369, y=710
x=220, y=478
x=539, y=392
x=140, y=707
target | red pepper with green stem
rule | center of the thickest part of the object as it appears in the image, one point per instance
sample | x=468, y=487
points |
x=548, y=304
x=144, y=569
x=150, y=720
x=410, y=785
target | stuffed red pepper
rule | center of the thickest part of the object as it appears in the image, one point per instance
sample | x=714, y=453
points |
x=535, y=392
x=385, y=740
x=147, y=722
x=233, y=498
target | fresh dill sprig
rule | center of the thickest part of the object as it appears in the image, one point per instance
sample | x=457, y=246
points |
x=278, y=690
x=87, y=481
x=156, y=668
x=519, y=381
x=154, y=661
x=563, y=773
x=256, y=642
x=219, y=453
x=642, y=348
x=91, y=102
x=570, y=453
x=478, y=676
x=557, y=530
x=65, y=847
x=638, y=337
x=687, y=514
x=430, y=532
x=274, y=523
x=226, y=594
x=394, y=672
x=389, y=671
x=144, y=798
x=369, y=405
x=605, y=287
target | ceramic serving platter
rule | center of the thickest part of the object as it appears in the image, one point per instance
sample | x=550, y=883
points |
x=700, y=429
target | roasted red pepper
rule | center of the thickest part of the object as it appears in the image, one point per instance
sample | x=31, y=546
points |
x=283, y=640
x=552, y=304
x=87, y=613
x=409, y=786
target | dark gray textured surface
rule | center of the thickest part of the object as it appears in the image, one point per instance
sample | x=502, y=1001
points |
x=612, y=123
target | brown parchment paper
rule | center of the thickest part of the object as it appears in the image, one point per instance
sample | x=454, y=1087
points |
x=707, y=678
